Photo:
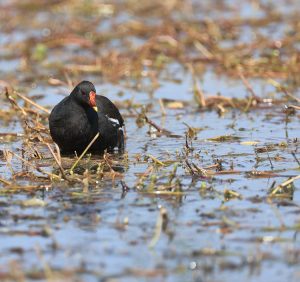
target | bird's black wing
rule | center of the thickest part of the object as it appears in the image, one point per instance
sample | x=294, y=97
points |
x=108, y=108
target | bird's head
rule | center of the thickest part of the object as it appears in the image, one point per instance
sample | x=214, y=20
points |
x=85, y=94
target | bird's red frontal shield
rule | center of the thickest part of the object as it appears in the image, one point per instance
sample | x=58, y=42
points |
x=92, y=98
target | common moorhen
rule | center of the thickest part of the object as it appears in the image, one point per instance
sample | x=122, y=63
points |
x=76, y=120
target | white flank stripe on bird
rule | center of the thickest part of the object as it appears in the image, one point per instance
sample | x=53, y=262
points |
x=114, y=120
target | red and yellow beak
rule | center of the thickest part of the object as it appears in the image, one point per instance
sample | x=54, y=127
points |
x=92, y=100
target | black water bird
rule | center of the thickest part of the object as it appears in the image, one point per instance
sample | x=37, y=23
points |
x=76, y=120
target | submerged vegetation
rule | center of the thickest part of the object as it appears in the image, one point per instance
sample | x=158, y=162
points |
x=207, y=187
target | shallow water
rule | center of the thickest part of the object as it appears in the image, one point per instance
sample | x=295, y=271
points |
x=105, y=234
x=87, y=230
